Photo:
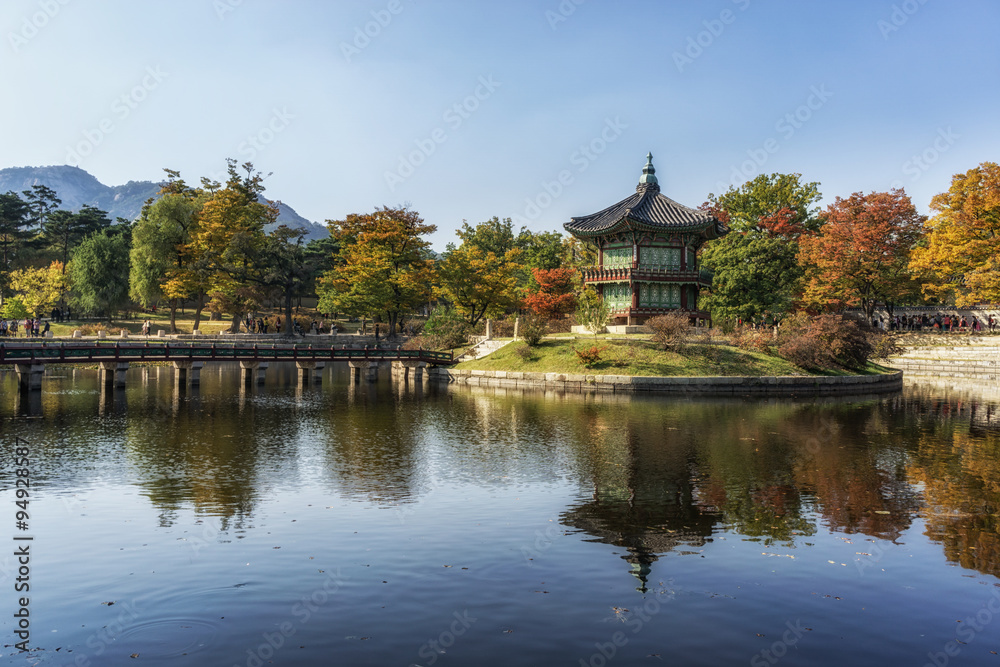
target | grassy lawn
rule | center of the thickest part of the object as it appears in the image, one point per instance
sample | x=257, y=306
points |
x=632, y=357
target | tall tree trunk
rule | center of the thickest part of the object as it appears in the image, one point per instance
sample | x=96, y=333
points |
x=235, y=326
x=289, y=324
x=197, y=311
x=173, y=316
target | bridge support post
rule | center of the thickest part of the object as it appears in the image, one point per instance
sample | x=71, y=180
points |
x=306, y=369
x=188, y=372
x=369, y=369
x=254, y=372
x=318, y=372
x=29, y=376
x=404, y=370
x=112, y=373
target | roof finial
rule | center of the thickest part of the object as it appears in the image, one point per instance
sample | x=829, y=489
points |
x=648, y=172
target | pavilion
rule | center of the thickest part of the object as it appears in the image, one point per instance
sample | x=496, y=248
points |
x=647, y=253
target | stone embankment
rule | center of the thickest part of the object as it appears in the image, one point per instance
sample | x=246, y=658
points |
x=976, y=358
x=706, y=386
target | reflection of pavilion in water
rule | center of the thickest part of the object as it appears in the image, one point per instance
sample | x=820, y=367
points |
x=644, y=498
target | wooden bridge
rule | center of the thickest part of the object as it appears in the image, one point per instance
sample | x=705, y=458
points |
x=113, y=358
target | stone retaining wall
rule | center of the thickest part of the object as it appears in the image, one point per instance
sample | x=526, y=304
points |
x=710, y=386
x=978, y=362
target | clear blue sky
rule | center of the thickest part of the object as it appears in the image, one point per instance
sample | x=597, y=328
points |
x=846, y=93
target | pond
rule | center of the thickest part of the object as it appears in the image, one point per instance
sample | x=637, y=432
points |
x=413, y=524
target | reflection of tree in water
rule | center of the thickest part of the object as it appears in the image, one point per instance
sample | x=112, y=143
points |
x=371, y=444
x=852, y=460
x=205, y=452
x=957, y=459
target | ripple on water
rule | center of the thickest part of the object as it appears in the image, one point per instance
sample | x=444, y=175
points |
x=169, y=637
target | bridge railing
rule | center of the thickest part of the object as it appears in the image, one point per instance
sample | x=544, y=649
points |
x=34, y=353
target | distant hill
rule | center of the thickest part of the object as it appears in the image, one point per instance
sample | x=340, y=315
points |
x=75, y=187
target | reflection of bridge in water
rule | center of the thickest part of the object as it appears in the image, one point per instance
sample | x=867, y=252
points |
x=113, y=359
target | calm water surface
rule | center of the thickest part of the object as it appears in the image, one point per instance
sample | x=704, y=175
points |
x=399, y=525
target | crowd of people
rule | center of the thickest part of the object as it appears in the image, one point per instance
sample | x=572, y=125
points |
x=938, y=322
x=28, y=327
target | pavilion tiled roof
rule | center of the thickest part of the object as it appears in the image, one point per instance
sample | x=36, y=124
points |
x=646, y=209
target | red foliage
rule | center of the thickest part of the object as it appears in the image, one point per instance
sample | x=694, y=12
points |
x=555, y=292
x=785, y=223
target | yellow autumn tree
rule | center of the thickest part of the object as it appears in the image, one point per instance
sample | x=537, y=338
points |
x=960, y=257
x=229, y=235
x=385, y=266
x=40, y=288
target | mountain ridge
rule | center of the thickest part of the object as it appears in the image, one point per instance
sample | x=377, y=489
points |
x=77, y=187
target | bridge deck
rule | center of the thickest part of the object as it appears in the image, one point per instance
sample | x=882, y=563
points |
x=73, y=353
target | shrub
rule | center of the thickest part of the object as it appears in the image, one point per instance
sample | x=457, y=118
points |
x=589, y=357
x=445, y=329
x=885, y=346
x=670, y=331
x=753, y=340
x=532, y=329
x=525, y=352
x=592, y=311
x=825, y=341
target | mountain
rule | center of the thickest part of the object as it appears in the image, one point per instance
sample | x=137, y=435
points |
x=75, y=187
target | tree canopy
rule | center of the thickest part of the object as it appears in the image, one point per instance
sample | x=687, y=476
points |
x=959, y=257
x=860, y=255
x=756, y=265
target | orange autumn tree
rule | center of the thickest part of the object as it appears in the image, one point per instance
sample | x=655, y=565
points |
x=556, y=292
x=860, y=255
x=960, y=257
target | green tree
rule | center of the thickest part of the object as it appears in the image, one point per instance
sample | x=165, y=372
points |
x=42, y=201
x=63, y=230
x=99, y=274
x=280, y=267
x=755, y=265
x=163, y=262
x=14, y=235
x=14, y=309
